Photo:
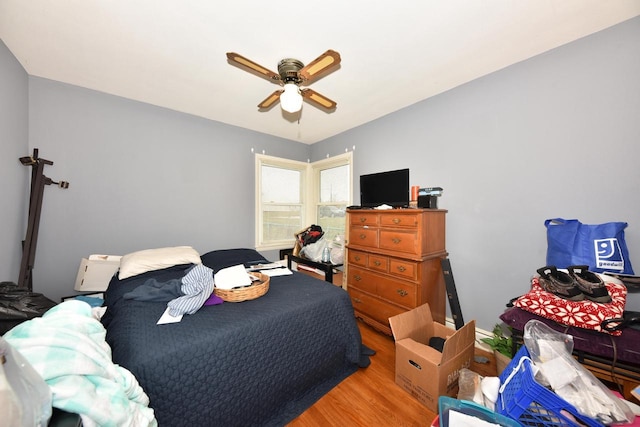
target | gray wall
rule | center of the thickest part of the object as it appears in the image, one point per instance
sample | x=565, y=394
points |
x=555, y=136
x=140, y=177
x=14, y=143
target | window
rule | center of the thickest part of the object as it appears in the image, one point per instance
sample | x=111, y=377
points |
x=292, y=195
x=280, y=191
x=333, y=180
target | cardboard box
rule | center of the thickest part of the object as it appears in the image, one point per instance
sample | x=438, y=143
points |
x=95, y=272
x=423, y=371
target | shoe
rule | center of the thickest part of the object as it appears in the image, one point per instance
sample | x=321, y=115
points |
x=559, y=283
x=589, y=283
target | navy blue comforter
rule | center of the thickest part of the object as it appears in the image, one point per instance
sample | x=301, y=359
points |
x=259, y=362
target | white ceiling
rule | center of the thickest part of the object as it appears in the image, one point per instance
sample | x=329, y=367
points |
x=171, y=53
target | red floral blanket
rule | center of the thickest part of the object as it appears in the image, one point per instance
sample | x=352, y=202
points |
x=582, y=314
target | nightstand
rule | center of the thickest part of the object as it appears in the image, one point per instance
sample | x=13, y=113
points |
x=326, y=267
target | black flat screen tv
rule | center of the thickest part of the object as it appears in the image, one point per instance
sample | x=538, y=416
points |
x=385, y=188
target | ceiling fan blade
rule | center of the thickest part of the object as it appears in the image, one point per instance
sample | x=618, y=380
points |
x=271, y=100
x=319, y=66
x=236, y=59
x=317, y=99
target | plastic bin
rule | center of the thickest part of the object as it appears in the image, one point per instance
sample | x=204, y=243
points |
x=447, y=404
x=531, y=404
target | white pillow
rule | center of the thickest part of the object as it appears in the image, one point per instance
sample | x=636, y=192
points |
x=156, y=259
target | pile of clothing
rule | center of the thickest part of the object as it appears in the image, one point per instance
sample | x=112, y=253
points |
x=67, y=348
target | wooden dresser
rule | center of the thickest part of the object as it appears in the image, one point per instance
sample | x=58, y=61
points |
x=393, y=263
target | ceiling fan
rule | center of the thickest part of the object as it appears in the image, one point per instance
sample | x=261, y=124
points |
x=292, y=74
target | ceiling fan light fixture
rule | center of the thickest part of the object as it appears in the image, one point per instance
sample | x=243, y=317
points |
x=291, y=99
x=291, y=74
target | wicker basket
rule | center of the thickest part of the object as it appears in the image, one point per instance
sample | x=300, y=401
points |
x=256, y=290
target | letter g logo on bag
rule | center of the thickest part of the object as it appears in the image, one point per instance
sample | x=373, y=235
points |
x=608, y=254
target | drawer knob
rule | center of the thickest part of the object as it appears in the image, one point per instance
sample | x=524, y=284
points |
x=357, y=257
x=357, y=300
x=396, y=220
x=396, y=240
x=357, y=278
x=401, y=268
x=363, y=236
x=377, y=263
x=402, y=292
x=363, y=219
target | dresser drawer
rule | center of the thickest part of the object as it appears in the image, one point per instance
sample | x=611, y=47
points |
x=363, y=237
x=396, y=220
x=393, y=263
x=378, y=263
x=400, y=292
x=361, y=279
x=358, y=258
x=400, y=241
x=363, y=219
x=373, y=307
x=403, y=268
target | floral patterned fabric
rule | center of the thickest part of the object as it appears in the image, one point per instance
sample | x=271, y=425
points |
x=582, y=314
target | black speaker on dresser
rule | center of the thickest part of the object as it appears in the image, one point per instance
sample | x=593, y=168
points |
x=428, y=202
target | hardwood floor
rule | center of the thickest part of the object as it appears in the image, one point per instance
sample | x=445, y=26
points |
x=370, y=397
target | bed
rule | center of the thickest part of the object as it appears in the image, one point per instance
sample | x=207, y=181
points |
x=257, y=362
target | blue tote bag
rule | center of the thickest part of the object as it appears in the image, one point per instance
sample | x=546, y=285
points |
x=600, y=246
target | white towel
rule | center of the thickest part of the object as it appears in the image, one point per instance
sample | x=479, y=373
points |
x=232, y=277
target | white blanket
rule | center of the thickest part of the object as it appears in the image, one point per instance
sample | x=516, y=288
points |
x=67, y=348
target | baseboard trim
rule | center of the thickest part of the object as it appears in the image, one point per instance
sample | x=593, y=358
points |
x=480, y=333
